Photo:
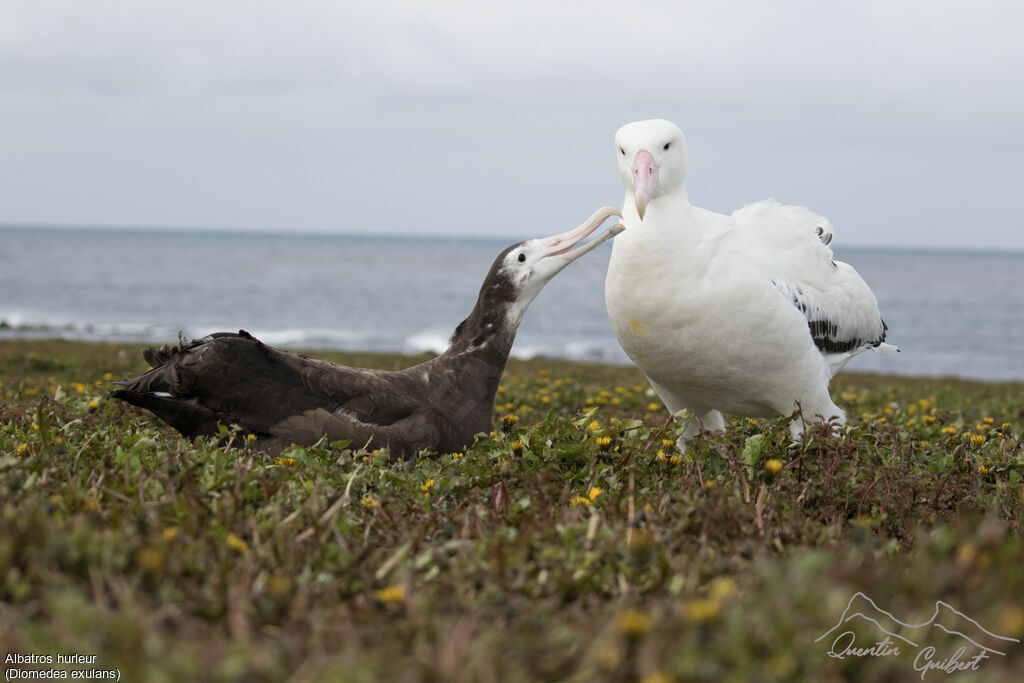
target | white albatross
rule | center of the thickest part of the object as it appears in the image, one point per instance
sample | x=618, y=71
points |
x=746, y=314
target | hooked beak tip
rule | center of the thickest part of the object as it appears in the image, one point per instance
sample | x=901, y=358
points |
x=641, y=208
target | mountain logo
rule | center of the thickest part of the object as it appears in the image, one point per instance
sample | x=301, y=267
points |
x=976, y=643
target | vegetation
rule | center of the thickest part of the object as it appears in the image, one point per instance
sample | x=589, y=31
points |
x=572, y=542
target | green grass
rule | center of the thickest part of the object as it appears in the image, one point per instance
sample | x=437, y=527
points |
x=563, y=545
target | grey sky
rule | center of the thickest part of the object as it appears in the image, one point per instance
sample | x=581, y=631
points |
x=900, y=121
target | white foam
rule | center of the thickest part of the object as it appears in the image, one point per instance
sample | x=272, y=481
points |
x=427, y=341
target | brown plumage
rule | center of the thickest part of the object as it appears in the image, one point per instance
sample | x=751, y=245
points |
x=284, y=398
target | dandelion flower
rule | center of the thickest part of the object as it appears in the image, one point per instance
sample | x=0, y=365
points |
x=949, y=431
x=22, y=447
x=237, y=544
x=150, y=559
x=594, y=426
x=285, y=462
x=578, y=501
x=369, y=501
x=773, y=466
x=94, y=403
x=702, y=610
x=978, y=439
x=670, y=459
x=632, y=623
x=722, y=587
x=391, y=595
x=652, y=406
x=982, y=469
x=426, y=486
x=170, y=533
x=594, y=492
x=603, y=440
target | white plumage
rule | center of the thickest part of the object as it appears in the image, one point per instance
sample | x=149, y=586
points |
x=746, y=314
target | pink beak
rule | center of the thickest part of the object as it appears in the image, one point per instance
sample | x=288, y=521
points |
x=645, y=180
x=561, y=244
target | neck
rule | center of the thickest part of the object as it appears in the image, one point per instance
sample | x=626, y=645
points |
x=481, y=344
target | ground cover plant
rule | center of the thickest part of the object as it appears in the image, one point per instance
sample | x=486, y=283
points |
x=572, y=542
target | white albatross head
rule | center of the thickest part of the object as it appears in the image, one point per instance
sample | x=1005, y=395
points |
x=652, y=160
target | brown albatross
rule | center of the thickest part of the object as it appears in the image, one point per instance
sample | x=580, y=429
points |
x=283, y=398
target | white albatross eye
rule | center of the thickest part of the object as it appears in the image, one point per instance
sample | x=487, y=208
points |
x=666, y=145
x=522, y=257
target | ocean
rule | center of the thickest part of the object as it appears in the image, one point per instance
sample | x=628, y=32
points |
x=951, y=313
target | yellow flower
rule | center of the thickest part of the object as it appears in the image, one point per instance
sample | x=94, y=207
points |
x=458, y=455
x=426, y=486
x=278, y=585
x=988, y=420
x=652, y=406
x=928, y=419
x=978, y=439
x=670, y=459
x=516, y=446
x=285, y=462
x=668, y=443
x=107, y=376
x=579, y=501
x=22, y=447
x=1012, y=620
x=94, y=403
x=982, y=469
x=170, y=533
x=722, y=587
x=392, y=595
x=632, y=623
x=150, y=559
x=594, y=426
x=603, y=440
x=369, y=501
x=237, y=544
x=949, y=431
x=594, y=493
x=508, y=421
x=249, y=438
x=702, y=610
x=773, y=466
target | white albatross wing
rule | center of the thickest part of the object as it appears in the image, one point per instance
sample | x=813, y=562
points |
x=790, y=243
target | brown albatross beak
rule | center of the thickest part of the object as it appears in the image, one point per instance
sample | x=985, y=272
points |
x=559, y=245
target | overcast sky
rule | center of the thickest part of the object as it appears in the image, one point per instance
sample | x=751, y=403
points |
x=899, y=121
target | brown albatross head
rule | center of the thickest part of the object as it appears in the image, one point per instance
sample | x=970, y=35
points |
x=518, y=275
x=526, y=267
